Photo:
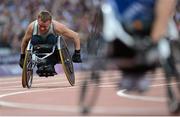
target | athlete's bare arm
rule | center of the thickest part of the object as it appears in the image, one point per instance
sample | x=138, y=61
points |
x=65, y=31
x=164, y=10
x=26, y=38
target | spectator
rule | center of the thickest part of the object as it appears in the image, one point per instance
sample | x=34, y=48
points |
x=15, y=15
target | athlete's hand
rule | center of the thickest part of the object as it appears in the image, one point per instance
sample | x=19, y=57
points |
x=144, y=44
x=76, y=56
x=21, y=61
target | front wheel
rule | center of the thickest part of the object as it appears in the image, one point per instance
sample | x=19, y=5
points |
x=27, y=75
x=89, y=93
x=67, y=63
x=171, y=69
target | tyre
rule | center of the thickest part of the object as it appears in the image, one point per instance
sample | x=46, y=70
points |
x=67, y=63
x=171, y=68
x=27, y=75
x=89, y=93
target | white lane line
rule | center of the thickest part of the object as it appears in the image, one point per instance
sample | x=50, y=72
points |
x=16, y=93
x=50, y=80
x=122, y=93
x=39, y=85
x=77, y=109
x=37, y=78
x=78, y=83
x=156, y=85
x=21, y=105
x=102, y=84
x=13, y=80
x=66, y=108
x=30, y=91
x=40, y=106
x=34, y=85
x=55, y=81
x=77, y=73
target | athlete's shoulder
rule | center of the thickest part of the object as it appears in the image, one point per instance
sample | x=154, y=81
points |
x=30, y=26
x=57, y=24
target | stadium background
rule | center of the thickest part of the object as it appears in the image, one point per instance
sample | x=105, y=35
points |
x=15, y=15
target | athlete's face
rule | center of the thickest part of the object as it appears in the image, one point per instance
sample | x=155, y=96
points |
x=43, y=26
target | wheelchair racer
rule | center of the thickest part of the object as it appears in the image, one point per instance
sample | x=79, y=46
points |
x=45, y=30
x=124, y=20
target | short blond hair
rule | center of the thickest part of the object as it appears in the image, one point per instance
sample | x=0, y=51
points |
x=45, y=15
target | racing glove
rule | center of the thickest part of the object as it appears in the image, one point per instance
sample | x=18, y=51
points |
x=76, y=56
x=21, y=61
x=144, y=44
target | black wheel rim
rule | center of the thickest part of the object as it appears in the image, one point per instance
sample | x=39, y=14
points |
x=67, y=62
x=172, y=74
x=29, y=71
x=89, y=93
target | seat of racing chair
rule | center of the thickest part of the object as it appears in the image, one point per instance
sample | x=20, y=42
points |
x=43, y=48
x=46, y=70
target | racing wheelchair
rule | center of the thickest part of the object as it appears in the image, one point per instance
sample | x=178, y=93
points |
x=34, y=57
x=90, y=88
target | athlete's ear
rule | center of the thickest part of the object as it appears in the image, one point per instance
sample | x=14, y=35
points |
x=38, y=19
x=50, y=21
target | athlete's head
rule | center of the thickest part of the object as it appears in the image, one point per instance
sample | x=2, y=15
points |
x=44, y=20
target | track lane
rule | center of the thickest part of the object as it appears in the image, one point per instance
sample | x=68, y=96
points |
x=48, y=96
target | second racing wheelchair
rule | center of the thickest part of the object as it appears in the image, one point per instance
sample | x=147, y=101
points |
x=33, y=57
x=166, y=57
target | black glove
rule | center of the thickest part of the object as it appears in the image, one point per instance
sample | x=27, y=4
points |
x=144, y=44
x=21, y=61
x=76, y=56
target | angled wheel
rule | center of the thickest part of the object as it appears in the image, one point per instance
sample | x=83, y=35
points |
x=27, y=75
x=67, y=63
x=171, y=68
x=94, y=42
x=172, y=91
x=90, y=87
x=89, y=93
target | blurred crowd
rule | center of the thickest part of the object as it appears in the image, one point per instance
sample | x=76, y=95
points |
x=15, y=15
x=177, y=15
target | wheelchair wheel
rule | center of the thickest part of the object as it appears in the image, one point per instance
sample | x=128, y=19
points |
x=89, y=93
x=90, y=89
x=95, y=41
x=171, y=68
x=67, y=63
x=27, y=75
